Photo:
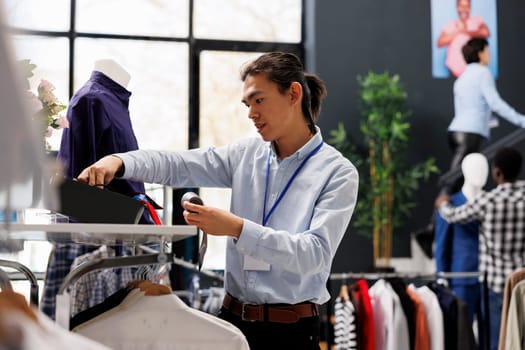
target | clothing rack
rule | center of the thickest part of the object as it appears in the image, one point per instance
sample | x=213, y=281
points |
x=127, y=261
x=411, y=276
x=187, y=264
x=5, y=281
x=406, y=275
x=33, y=292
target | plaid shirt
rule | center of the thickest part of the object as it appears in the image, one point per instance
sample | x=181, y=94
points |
x=59, y=265
x=501, y=213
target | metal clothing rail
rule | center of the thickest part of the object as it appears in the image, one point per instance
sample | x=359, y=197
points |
x=510, y=140
x=186, y=264
x=33, y=292
x=406, y=275
x=411, y=276
x=5, y=281
x=126, y=261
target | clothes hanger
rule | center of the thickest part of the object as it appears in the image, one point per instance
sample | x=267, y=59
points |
x=150, y=288
x=343, y=293
x=33, y=292
x=5, y=281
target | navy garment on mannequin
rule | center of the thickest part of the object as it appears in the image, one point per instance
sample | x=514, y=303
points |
x=99, y=124
x=457, y=250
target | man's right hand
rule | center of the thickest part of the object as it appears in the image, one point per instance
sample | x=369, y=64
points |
x=441, y=199
x=102, y=172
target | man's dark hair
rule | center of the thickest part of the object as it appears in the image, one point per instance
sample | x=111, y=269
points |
x=283, y=69
x=472, y=49
x=508, y=161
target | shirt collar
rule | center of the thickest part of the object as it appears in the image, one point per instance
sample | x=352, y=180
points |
x=305, y=150
x=509, y=185
x=122, y=93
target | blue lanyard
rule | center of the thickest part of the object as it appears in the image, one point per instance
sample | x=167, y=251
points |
x=267, y=216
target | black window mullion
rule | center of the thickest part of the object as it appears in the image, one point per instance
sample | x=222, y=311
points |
x=71, y=36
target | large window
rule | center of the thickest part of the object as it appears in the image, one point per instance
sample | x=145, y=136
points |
x=183, y=57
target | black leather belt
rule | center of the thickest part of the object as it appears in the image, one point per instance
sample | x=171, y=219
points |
x=281, y=313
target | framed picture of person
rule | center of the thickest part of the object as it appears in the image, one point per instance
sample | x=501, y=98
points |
x=454, y=22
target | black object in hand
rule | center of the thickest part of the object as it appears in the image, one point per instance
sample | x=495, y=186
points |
x=194, y=198
x=191, y=197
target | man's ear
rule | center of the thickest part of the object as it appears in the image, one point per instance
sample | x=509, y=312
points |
x=497, y=173
x=296, y=92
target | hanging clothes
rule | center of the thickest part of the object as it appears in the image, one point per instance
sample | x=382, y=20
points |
x=515, y=278
x=515, y=327
x=449, y=307
x=391, y=326
x=162, y=321
x=434, y=317
x=400, y=287
x=90, y=313
x=24, y=327
x=81, y=290
x=422, y=334
x=366, y=335
x=345, y=326
x=458, y=329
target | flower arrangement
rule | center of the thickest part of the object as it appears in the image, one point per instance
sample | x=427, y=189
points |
x=44, y=106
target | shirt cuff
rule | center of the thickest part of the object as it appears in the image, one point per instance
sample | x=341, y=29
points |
x=445, y=209
x=129, y=166
x=250, y=235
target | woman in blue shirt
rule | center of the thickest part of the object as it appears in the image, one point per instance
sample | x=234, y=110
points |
x=292, y=199
x=475, y=98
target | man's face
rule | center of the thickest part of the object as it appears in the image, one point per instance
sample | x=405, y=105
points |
x=484, y=56
x=463, y=7
x=269, y=109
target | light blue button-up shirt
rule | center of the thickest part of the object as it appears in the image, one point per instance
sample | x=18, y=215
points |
x=475, y=97
x=302, y=234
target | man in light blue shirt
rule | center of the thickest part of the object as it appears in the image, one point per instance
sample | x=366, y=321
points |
x=292, y=199
x=475, y=98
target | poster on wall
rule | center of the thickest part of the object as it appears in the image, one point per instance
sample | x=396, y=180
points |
x=454, y=22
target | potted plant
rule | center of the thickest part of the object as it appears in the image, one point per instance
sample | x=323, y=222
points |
x=386, y=184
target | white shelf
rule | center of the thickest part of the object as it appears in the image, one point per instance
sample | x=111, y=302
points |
x=97, y=233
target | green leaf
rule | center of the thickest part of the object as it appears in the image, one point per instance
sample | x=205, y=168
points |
x=385, y=126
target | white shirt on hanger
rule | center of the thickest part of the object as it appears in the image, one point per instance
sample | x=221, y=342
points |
x=45, y=334
x=162, y=322
x=392, y=329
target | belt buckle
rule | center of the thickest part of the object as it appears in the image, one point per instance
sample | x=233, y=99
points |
x=243, y=313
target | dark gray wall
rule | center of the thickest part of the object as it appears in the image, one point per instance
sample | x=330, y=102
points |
x=348, y=38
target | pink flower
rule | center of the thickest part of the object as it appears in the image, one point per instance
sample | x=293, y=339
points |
x=45, y=86
x=62, y=122
x=45, y=92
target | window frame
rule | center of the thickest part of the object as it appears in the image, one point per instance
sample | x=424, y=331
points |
x=195, y=47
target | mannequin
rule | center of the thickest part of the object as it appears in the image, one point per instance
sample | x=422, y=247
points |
x=99, y=124
x=456, y=245
x=113, y=70
x=475, y=168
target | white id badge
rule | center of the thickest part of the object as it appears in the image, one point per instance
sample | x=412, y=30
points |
x=254, y=264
